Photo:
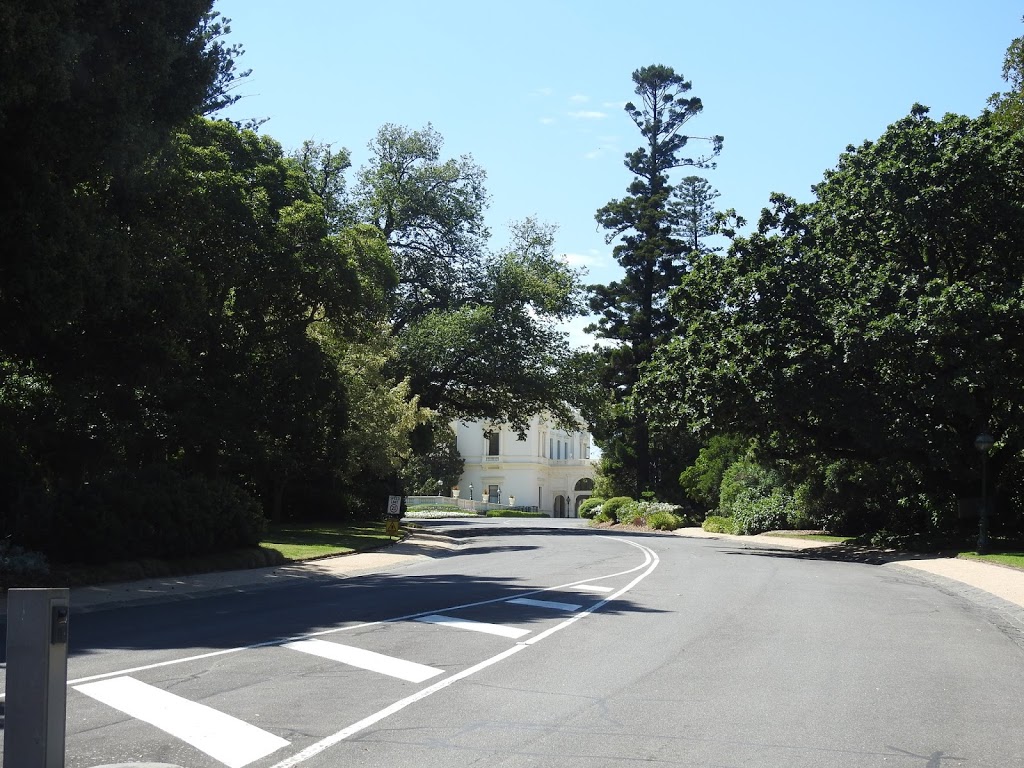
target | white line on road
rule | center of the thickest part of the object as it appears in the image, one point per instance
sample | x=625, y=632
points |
x=570, y=607
x=359, y=657
x=227, y=739
x=582, y=586
x=476, y=626
x=315, y=749
x=651, y=561
x=590, y=588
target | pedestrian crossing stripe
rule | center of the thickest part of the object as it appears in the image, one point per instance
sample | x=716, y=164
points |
x=363, y=659
x=554, y=606
x=227, y=739
x=475, y=626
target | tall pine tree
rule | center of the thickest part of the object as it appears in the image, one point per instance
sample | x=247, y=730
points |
x=653, y=249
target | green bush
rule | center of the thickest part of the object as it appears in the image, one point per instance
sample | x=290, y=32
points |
x=663, y=521
x=154, y=513
x=632, y=513
x=590, y=506
x=756, y=514
x=601, y=517
x=21, y=567
x=610, y=508
x=745, y=477
x=719, y=524
x=703, y=480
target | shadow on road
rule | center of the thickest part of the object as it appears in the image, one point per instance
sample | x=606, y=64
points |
x=296, y=608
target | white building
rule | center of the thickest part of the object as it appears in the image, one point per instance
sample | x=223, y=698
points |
x=549, y=469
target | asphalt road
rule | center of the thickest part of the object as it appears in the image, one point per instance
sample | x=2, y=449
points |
x=544, y=644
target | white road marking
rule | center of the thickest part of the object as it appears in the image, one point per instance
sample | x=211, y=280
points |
x=358, y=657
x=475, y=626
x=570, y=607
x=315, y=749
x=651, y=561
x=580, y=586
x=227, y=739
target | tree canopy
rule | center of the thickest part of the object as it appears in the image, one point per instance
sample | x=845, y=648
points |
x=869, y=336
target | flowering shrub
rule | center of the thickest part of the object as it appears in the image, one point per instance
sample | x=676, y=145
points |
x=639, y=513
x=590, y=507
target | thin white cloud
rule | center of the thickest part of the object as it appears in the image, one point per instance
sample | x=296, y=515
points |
x=544, y=92
x=547, y=120
x=579, y=260
x=588, y=115
x=579, y=98
x=614, y=104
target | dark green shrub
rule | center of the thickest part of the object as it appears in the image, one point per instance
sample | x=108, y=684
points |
x=155, y=513
x=703, y=479
x=718, y=524
x=756, y=514
x=745, y=477
x=589, y=507
x=611, y=507
x=20, y=567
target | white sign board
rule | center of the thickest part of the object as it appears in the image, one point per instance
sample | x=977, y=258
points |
x=395, y=506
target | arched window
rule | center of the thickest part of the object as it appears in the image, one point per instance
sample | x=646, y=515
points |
x=586, y=484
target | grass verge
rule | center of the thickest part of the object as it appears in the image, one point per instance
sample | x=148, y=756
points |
x=1012, y=559
x=304, y=541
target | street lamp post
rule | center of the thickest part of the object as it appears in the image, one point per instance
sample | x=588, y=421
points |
x=983, y=443
x=499, y=494
x=440, y=485
x=470, y=491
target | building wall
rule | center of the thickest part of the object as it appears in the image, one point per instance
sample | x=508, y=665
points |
x=550, y=469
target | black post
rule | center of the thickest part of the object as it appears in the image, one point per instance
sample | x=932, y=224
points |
x=983, y=525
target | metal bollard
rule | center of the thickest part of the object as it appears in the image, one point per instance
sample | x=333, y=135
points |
x=37, y=676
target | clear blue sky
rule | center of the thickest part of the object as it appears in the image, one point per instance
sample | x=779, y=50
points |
x=534, y=89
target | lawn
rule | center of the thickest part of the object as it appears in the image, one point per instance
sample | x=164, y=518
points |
x=1012, y=559
x=302, y=541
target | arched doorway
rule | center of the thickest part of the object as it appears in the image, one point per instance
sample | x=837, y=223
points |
x=584, y=488
x=559, y=506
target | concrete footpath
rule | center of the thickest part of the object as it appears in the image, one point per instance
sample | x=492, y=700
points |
x=999, y=581
x=414, y=548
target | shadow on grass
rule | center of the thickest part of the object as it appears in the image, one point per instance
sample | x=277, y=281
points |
x=356, y=536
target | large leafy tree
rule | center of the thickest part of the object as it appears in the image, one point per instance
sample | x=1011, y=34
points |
x=866, y=338
x=89, y=92
x=500, y=355
x=431, y=213
x=476, y=328
x=657, y=227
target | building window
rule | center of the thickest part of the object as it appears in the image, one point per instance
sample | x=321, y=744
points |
x=551, y=447
x=492, y=443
